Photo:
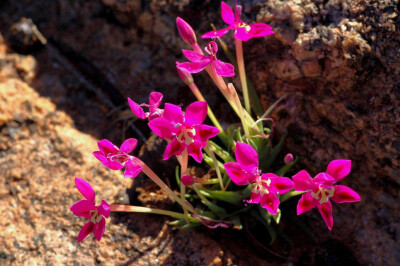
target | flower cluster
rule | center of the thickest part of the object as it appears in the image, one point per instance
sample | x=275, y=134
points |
x=249, y=143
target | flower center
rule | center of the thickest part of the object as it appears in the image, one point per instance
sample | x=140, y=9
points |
x=186, y=135
x=95, y=216
x=246, y=27
x=323, y=194
x=122, y=158
x=261, y=186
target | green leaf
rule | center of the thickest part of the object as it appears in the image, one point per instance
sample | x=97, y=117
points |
x=233, y=197
x=220, y=212
x=177, y=176
x=287, y=167
x=289, y=195
x=223, y=154
x=277, y=217
x=237, y=224
x=265, y=165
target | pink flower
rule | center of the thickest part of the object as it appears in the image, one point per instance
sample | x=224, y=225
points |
x=200, y=62
x=242, y=30
x=88, y=209
x=186, y=31
x=184, y=131
x=320, y=189
x=117, y=158
x=154, y=102
x=265, y=187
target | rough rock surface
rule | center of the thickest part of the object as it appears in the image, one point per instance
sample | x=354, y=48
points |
x=339, y=60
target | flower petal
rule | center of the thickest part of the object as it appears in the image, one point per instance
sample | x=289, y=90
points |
x=162, y=127
x=227, y=14
x=345, y=194
x=339, y=169
x=85, y=231
x=236, y=173
x=242, y=34
x=173, y=148
x=246, y=155
x=173, y=113
x=137, y=109
x=279, y=184
x=205, y=132
x=129, y=145
x=270, y=202
x=85, y=189
x=194, y=150
x=113, y=165
x=260, y=30
x=303, y=181
x=194, y=67
x=193, y=56
x=104, y=209
x=82, y=208
x=306, y=203
x=132, y=169
x=100, y=156
x=107, y=147
x=325, y=210
x=324, y=178
x=98, y=228
x=254, y=198
x=155, y=99
x=223, y=69
x=196, y=113
x=215, y=33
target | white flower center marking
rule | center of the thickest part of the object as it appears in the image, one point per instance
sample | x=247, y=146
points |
x=261, y=186
x=323, y=194
x=246, y=27
x=186, y=135
x=95, y=216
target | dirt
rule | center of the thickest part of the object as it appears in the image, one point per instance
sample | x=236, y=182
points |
x=338, y=60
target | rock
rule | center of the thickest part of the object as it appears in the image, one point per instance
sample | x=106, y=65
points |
x=338, y=60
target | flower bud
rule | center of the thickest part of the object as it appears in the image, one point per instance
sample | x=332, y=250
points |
x=186, y=31
x=187, y=180
x=288, y=158
x=184, y=75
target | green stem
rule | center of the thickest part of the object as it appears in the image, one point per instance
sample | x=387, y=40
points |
x=242, y=73
x=159, y=182
x=196, y=189
x=184, y=164
x=212, y=155
x=195, y=90
x=128, y=208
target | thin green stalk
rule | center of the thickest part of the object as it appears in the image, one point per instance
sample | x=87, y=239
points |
x=242, y=73
x=128, y=208
x=196, y=189
x=212, y=155
x=153, y=176
x=184, y=164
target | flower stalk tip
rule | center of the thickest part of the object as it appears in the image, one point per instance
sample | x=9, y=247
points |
x=186, y=31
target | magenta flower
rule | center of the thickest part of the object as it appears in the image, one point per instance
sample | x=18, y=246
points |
x=320, y=189
x=200, y=62
x=184, y=131
x=265, y=187
x=186, y=31
x=87, y=208
x=116, y=158
x=242, y=30
x=154, y=102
